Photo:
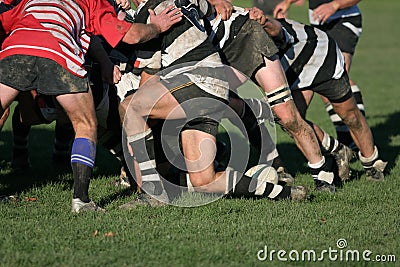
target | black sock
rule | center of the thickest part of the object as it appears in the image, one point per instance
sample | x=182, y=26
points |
x=20, y=136
x=82, y=174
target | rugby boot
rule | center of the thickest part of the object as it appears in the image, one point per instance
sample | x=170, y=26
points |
x=79, y=206
x=343, y=156
x=374, y=172
x=143, y=199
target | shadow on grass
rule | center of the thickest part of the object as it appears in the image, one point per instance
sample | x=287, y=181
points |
x=43, y=170
x=387, y=138
x=121, y=193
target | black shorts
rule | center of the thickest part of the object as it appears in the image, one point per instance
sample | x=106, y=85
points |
x=24, y=73
x=203, y=110
x=247, y=50
x=336, y=90
x=345, y=31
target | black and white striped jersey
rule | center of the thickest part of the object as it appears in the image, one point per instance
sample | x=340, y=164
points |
x=222, y=33
x=310, y=56
x=183, y=43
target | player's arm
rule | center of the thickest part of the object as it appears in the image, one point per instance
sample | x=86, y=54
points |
x=324, y=11
x=282, y=8
x=109, y=72
x=256, y=14
x=224, y=8
x=271, y=26
x=340, y=4
x=140, y=33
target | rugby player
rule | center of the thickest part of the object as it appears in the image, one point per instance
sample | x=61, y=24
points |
x=199, y=82
x=342, y=20
x=305, y=50
x=56, y=66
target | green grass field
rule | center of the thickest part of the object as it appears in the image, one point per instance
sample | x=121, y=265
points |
x=39, y=230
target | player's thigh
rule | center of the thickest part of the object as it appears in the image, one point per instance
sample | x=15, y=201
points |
x=79, y=108
x=7, y=96
x=154, y=100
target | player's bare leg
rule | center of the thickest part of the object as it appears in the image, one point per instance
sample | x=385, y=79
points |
x=272, y=79
x=341, y=153
x=81, y=112
x=7, y=96
x=342, y=131
x=4, y=117
x=140, y=137
x=199, y=149
x=362, y=136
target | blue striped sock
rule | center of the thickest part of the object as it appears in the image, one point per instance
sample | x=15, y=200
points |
x=83, y=152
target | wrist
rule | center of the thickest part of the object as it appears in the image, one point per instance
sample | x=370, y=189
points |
x=156, y=28
x=335, y=5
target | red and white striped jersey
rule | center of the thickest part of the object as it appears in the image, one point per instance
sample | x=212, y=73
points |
x=60, y=30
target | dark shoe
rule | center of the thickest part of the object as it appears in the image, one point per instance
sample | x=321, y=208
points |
x=79, y=206
x=143, y=200
x=298, y=193
x=343, y=156
x=123, y=180
x=322, y=186
x=375, y=172
x=284, y=176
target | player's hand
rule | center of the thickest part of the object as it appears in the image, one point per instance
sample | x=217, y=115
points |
x=272, y=27
x=116, y=74
x=166, y=19
x=224, y=8
x=281, y=10
x=257, y=15
x=124, y=4
x=324, y=11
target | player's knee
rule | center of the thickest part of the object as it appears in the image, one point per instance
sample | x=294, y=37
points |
x=290, y=123
x=352, y=119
